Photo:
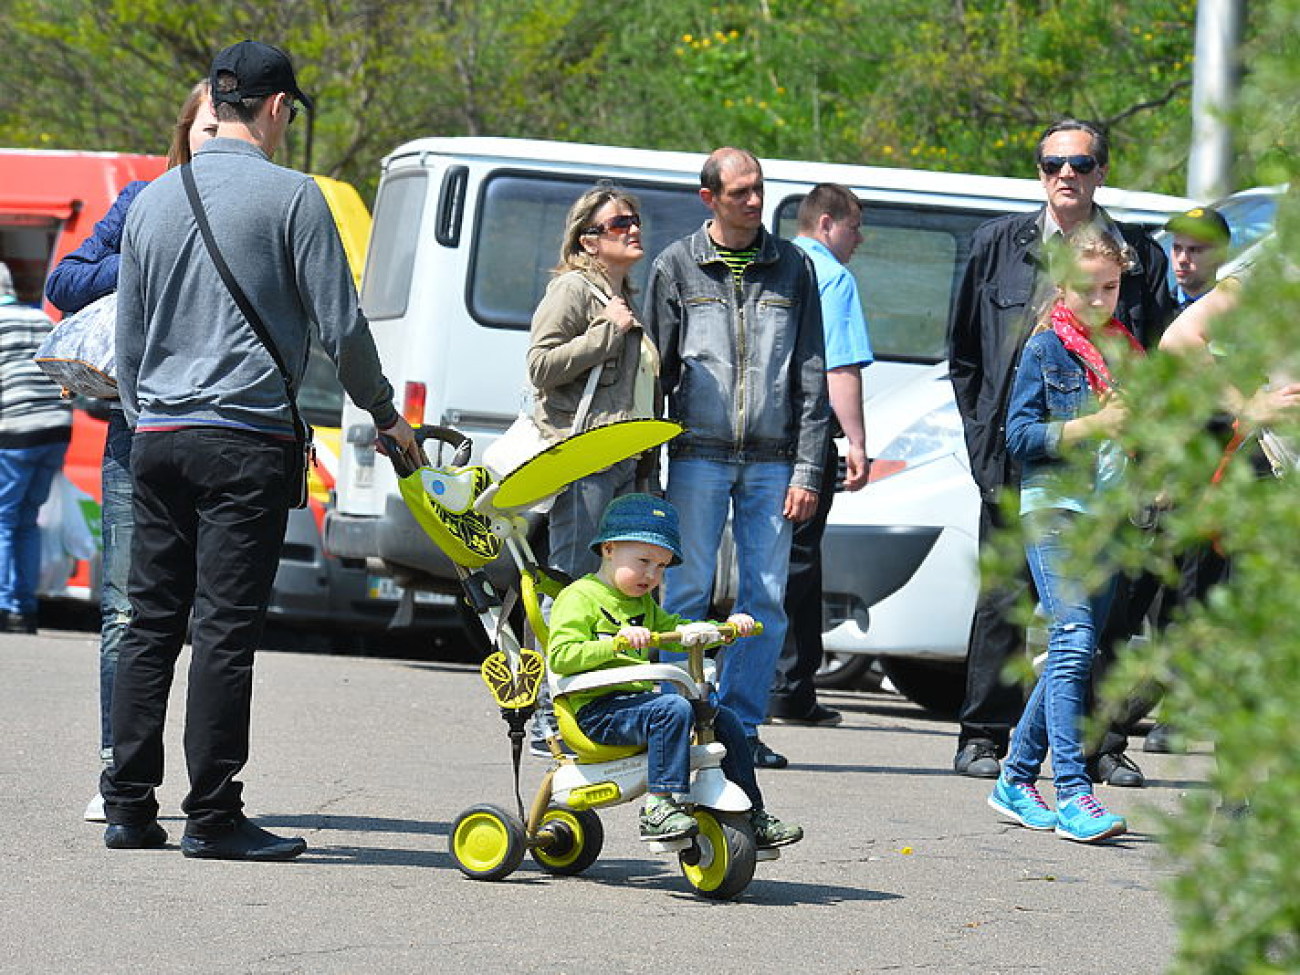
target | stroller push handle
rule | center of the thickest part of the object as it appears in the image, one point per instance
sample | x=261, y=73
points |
x=730, y=633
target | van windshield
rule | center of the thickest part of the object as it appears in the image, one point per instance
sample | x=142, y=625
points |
x=908, y=268
x=520, y=222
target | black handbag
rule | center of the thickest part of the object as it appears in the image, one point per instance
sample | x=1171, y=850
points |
x=306, y=451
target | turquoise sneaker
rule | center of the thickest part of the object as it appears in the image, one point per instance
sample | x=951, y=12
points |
x=1086, y=820
x=1020, y=801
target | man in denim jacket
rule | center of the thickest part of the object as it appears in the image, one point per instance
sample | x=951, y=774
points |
x=736, y=316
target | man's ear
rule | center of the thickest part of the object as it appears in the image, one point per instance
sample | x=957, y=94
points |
x=706, y=195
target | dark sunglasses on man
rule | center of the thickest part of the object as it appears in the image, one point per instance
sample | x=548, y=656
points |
x=1052, y=165
x=623, y=222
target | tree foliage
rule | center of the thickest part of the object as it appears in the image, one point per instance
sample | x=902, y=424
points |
x=1229, y=665
x=947, y=84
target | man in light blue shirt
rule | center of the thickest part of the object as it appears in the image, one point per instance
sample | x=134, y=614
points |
x=830, y=220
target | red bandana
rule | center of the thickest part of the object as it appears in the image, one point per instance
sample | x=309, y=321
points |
x=1074, y=335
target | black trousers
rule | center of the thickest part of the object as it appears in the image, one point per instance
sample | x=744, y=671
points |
x=992, y=705
x=210, y=507
x=793, y=692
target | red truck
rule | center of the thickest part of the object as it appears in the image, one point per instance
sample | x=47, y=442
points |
x=50, y=200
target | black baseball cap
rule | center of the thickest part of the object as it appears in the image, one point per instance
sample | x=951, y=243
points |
x=1203, y=224
x=259, y=70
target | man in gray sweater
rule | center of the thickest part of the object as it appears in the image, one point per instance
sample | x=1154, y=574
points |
x=216, y=459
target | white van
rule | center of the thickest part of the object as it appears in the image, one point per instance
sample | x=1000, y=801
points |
x=466, y=231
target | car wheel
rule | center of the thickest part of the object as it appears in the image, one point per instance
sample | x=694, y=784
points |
x=848, y=672
x=936, y=685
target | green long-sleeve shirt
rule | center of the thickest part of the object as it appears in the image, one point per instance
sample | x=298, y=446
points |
x=584, y=620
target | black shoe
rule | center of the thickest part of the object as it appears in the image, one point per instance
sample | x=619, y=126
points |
x=820, y=716
x=1163, y=740
x=243, y=841
x=764, y=757
x=143, y=836
x=1117, y=769
x=20, y=623
x=978, y=758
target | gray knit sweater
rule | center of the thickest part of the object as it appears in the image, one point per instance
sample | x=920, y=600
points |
x=185, y=354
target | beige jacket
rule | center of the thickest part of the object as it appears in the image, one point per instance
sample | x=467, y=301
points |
x=569, y=337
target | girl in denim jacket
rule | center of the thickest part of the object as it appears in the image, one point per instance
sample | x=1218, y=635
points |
x=1064, y=399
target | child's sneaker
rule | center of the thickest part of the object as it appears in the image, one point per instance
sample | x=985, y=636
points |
x=663, y=819
x=770, y=832
x=1021, y=801
x=1086, y=820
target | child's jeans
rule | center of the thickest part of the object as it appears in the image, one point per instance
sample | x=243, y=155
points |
x=663, y=723
x=1053, y=718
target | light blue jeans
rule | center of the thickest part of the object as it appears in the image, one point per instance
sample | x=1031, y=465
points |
x=26, y=474
x=1053, y=718
x=114, y=606
x=704, y=491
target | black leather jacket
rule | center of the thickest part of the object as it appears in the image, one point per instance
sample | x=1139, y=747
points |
x=994, y=313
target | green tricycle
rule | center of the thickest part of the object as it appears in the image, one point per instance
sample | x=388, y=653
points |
x=473, y=515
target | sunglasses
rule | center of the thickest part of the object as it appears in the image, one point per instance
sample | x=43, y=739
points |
x=623, y=222
x=293, y=111
x=1082, y=165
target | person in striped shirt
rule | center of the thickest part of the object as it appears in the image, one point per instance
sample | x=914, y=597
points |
x=35, y=428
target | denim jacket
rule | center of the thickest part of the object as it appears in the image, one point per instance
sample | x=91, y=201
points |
x=1050, y=388
x=743, y=368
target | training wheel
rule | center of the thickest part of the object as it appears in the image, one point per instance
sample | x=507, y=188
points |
x=487, y=843
x=575, y=839
x=720, y=863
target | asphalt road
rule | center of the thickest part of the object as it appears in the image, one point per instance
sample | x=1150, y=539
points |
x=905, y=869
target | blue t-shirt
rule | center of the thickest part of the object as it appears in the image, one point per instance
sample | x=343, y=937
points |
x=844, y=324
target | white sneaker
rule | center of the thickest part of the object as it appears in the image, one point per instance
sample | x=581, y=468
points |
x=95, y=811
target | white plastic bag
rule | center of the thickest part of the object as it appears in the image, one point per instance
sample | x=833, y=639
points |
x=69, y=523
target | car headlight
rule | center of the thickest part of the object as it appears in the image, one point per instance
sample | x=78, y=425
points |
x=934, y=436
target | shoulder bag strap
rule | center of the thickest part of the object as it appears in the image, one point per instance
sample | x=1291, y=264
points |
x=300, y=427
x=593, y=378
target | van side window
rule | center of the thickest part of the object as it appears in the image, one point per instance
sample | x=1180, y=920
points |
x=519, y=222
x=394, y=239
x=908, y=268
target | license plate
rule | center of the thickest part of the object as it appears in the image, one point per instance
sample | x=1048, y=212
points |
x=384, y=588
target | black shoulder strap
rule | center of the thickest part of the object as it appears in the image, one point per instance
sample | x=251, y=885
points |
x=241, y=299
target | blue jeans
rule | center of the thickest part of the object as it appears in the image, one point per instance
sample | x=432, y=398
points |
x=663, y=724
x=114, y=606
x=703, y=491
x=1053, y=718
x=26, y=474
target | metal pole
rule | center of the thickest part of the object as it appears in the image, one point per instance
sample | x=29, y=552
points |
x=1215, y=79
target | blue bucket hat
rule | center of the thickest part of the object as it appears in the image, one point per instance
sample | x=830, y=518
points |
x=640, y=518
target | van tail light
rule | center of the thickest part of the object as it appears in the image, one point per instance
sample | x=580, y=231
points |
x=413, y=404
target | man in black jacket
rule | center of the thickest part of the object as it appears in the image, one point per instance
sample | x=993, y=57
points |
x=1002, y=292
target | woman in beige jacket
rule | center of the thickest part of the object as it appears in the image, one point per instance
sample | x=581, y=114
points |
x=585, y=323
